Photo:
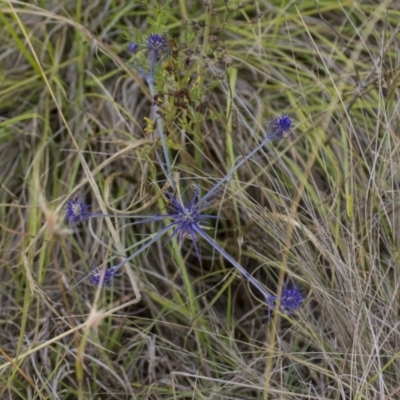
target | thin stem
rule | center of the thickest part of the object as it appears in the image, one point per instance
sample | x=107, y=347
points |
x=152, y=65
x=143, y=218
x=115, y=215
x=106, y=246
x=228, y=176
x=160, y=128
x=126, y=260
x=268, y=298
x=143, y=248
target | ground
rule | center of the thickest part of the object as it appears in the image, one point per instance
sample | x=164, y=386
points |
x=315, y=208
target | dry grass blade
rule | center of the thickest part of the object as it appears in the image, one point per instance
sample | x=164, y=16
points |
x=319, y=208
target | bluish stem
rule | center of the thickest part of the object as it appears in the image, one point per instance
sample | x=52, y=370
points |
x=268, y=298
x=115, y=215
x=160, y=128
x=144, y=219
x=152, y=65
x=142, y=248
x=228, y=176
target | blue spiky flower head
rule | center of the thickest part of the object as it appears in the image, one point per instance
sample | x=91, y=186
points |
x=292, y=298
x=102, y=277
x=157, y=47
x=187, y=218
x=156, y=43
x=282, y=126
x=133, y=47
x=77, y=211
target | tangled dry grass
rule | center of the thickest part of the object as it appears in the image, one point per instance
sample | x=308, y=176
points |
x=319, y=209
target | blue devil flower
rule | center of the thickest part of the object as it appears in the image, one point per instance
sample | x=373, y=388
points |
x=292, y=298
x=102, y=277
x=282, y=126
x=186, y=222
x=133, y=47
x=157, y=48
x=77, y=211
x=157, y=43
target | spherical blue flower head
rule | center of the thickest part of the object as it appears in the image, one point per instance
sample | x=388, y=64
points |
x=77, y=211
x=282, y=126
x=98, y=276
x=291, y=299
x=133, y=47
x=156, y=43
x=187, y=218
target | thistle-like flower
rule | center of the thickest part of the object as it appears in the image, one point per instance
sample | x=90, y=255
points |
x=186, y=222
x=153, y=43
x=102, y=277
x=282, y=126
x=292, y=298
x=77, y=211
x=133, y=47
x=157, y=43
x=157, y=48
x=186, y=219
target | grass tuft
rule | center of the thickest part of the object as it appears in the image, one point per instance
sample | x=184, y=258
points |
x=312, y=218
